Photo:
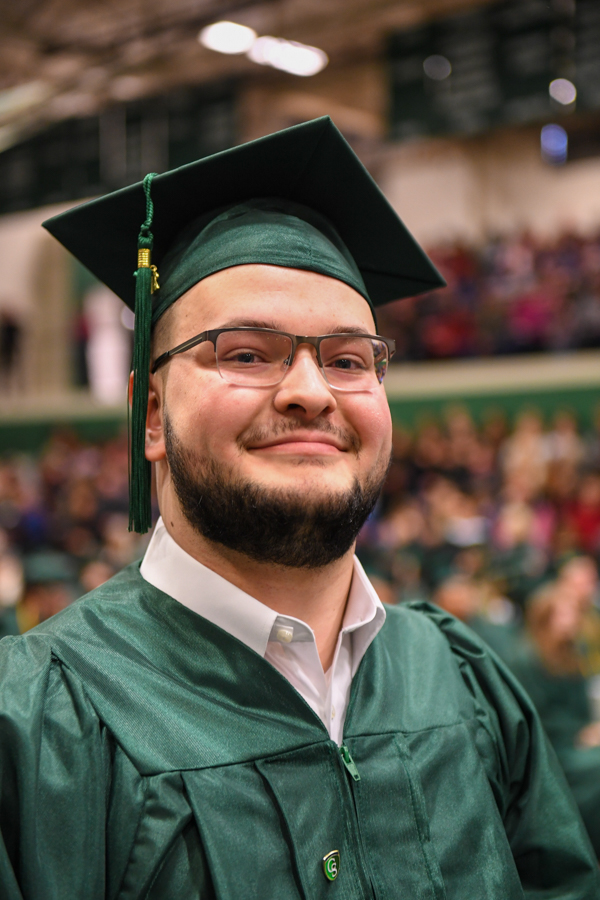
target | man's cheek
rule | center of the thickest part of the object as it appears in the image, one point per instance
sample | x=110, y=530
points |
x=375, y=428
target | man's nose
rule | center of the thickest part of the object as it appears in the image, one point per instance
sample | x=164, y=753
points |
x=304, y=387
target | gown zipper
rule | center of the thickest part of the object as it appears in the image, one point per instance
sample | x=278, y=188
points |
x=349, y=762
x=352, y=770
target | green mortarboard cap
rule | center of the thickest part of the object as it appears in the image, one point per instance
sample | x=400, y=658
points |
x=331, y=211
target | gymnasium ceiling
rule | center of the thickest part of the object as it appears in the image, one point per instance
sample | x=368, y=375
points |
x=65, y=58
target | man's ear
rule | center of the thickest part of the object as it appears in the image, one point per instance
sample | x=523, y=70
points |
x=155, y=439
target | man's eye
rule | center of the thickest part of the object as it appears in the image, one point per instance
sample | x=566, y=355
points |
x=244, y=358
x=347, y=363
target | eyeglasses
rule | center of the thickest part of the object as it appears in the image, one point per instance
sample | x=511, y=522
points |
x=260, y=357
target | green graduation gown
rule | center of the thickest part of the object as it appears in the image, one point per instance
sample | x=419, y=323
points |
x=146, y=753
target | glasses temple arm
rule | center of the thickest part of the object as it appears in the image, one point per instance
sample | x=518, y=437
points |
x=180, y=348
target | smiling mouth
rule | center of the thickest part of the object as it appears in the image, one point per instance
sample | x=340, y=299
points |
x=305, y=445
x=300, y=448
x=296, y=438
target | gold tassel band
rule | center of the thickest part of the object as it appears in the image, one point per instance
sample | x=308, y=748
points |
x=144, y=263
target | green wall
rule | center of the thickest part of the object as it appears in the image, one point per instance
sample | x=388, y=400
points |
x=32, y=435
x=584, y=402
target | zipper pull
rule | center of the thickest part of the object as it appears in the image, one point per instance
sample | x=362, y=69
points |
x=349, y=762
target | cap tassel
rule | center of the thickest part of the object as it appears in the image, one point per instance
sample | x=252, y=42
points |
x=146, y=282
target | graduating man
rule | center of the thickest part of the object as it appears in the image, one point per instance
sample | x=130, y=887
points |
x=239, y=717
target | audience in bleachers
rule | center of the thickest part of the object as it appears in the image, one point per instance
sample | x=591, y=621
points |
x=513, y=295
x=63, y=526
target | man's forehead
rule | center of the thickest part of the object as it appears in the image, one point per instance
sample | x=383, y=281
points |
x=278, y=324
x=272, y=297
x=298, y=323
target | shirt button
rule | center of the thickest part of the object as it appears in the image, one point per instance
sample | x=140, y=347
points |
x=285, y=635
x=333, y=712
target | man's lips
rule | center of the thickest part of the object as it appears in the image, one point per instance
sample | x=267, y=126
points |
x=308, y=443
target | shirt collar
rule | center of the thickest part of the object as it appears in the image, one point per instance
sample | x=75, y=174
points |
x=169, y=568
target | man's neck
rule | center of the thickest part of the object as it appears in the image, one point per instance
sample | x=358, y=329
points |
x=316, y=596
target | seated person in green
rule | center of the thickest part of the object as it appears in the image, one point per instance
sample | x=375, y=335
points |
x=578, y=577
x=465, y=598
x=49, y=585
x=550, y=668
x=239, y=717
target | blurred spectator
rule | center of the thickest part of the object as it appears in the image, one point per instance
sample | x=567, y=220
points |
x=563, y=445
x=549, y=666
x=11, y=586
x=578, y=579
x=516, y=560
x=95, y=573
x=490, y=616
x=49, y=587
x=583, y=513
x=523, y=457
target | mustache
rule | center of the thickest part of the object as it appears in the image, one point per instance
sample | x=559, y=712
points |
x=263, y=433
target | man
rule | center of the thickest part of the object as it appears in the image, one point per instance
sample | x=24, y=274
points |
x=239, y=717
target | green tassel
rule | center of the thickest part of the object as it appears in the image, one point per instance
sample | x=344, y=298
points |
x=140, y=505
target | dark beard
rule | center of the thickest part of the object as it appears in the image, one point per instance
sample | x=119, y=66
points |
x=268, y=525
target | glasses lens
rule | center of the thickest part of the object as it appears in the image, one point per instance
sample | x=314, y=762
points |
x=252, y=357
x=354, y=363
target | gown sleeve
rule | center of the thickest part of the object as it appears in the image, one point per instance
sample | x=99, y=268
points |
x=54, y=764
x=549, y=843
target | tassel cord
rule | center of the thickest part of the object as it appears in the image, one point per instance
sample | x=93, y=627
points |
x=140, y=509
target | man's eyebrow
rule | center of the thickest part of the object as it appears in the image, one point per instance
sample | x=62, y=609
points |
x=251, y=323
x=274, y=326
x=348, y=329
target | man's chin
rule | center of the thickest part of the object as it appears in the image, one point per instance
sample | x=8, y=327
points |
x=296, y=481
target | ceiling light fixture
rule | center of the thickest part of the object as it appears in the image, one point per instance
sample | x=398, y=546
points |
x=227, y=37
x=437, y=67
x=554, y=143
x=563, y=91
x=289, y=56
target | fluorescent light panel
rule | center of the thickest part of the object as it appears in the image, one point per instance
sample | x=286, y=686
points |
x=227, y=37
x=289, y=56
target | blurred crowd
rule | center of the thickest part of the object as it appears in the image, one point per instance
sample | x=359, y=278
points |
x=504, y=504
x=63, y=526
x=513, y=295
x=498, y=524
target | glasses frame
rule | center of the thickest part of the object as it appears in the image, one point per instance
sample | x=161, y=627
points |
x=296, y=339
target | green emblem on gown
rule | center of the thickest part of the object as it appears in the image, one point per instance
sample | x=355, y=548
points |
x=331, y=865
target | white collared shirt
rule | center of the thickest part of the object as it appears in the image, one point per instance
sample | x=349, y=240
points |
x=287, y=643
